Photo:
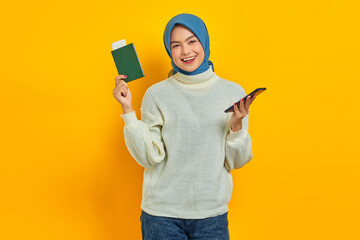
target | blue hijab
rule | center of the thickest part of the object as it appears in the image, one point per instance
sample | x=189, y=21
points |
x=197, y=26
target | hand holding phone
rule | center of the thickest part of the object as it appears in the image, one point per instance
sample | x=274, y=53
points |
x=253, y=93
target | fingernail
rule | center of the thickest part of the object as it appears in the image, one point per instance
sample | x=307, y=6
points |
x=125, y=76
x=235, y=104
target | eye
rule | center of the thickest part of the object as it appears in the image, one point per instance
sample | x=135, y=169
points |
x=192, y=41
x=175, y=45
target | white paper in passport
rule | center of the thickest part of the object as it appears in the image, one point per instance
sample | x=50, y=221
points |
x=118, y=44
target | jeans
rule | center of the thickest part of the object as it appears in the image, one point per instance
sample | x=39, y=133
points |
x=166, y=228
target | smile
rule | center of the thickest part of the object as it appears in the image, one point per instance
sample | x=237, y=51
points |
x=189, y=60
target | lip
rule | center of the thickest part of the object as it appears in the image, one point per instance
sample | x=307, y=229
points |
x=190, y=61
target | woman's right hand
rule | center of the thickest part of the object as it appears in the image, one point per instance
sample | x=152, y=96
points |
x=122, y=93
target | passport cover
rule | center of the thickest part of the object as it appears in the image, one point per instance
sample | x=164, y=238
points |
x=127, y=62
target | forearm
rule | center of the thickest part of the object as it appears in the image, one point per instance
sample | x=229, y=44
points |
x=238, y=149
x=144, y=141
x=236, y=128
x=127, y=109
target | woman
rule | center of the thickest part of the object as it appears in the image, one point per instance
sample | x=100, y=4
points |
x=185, y=141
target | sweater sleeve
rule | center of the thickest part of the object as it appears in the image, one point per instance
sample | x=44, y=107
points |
x=143, y=137
x=238, y=145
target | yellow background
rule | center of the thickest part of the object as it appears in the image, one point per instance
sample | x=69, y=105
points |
x=65, y=171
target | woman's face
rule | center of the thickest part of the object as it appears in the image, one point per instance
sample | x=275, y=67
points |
x=186, y=49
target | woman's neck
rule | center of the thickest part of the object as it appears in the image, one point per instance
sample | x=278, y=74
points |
x=201, y=80
x=195, y=79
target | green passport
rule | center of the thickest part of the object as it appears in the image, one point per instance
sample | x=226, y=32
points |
x=127, y=62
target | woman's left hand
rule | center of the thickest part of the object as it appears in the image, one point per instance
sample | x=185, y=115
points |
x=239, y=113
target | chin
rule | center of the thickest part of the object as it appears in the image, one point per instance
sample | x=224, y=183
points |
x=190, y=69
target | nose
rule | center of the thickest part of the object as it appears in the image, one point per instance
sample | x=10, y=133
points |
x=185, y=50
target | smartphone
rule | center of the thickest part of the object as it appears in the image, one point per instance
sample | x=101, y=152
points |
x=253, y=93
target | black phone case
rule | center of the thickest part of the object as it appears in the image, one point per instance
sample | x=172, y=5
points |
x=255, y=92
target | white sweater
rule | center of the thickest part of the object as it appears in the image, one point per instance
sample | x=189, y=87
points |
x=186, y=146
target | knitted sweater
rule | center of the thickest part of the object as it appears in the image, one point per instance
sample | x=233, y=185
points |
x=186, y=146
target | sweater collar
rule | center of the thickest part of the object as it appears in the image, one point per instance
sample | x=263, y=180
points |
x=195, y=79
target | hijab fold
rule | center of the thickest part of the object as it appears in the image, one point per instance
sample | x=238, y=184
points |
x=197, y=26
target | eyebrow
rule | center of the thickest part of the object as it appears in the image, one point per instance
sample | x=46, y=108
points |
x=185, y=39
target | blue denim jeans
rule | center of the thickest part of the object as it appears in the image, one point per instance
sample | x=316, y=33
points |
x=166, y=228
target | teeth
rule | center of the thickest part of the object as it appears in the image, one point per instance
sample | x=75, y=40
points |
x=187, y=59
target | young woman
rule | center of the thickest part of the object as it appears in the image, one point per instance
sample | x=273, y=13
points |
x=185, y=141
